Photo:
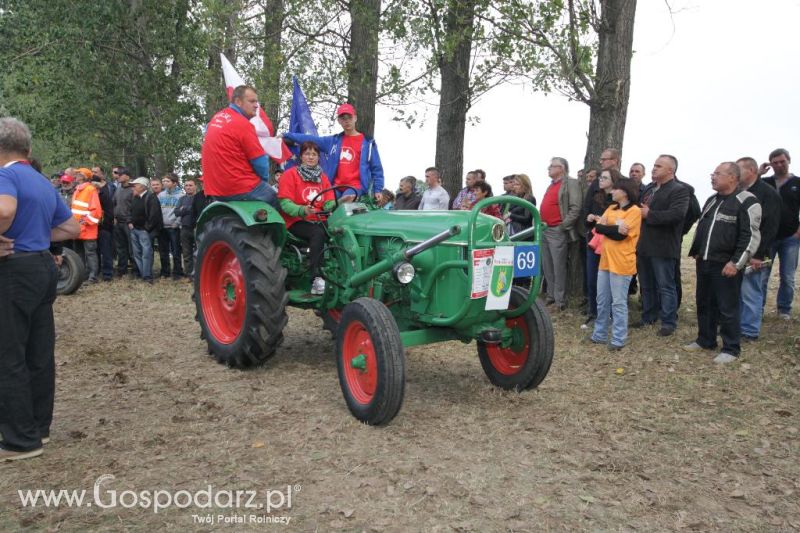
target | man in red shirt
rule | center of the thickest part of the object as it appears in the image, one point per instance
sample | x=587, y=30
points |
x=560, y=211
x=235, y=166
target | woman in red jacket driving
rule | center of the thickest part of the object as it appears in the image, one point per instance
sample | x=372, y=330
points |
x=297, y=188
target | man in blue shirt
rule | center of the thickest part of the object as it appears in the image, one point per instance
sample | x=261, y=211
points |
x=32, y=215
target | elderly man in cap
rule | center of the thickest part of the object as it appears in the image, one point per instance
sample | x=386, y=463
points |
x=353, y=158
x=67, y=188
x=144, y=226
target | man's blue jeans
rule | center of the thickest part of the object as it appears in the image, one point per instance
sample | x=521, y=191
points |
x=105, y=245
x=142, y=252
x=659, y=294
x=169, y=242
x=753, y=292
x=786, y=249
x=262, y=192
x=612, y=300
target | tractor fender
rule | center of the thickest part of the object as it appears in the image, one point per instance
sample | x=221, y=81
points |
x=251, y=213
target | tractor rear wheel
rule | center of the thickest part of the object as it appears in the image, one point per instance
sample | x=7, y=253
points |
x=525, y=363
x=71, y=273
x=371, y=361
x=240, y=295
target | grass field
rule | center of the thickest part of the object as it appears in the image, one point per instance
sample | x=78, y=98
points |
x=650, y=438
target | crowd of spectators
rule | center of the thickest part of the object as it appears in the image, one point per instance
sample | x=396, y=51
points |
x=630, y=235
x=125, y=220
x=635, y=230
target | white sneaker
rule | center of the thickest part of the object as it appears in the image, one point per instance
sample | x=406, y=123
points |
x=785, y=316
x=725, y=357
x=692, y=347
x=8, y=455
x=318, y=286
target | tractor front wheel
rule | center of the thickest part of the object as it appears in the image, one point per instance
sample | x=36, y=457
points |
x=239, y=292
x=525, y=363
x=371, y=362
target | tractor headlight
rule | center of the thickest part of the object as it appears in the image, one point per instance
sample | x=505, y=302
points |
x=404, y=272
x=498, y=232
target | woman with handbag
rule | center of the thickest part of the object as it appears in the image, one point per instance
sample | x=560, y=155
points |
x=597, y=201
x=619, y=225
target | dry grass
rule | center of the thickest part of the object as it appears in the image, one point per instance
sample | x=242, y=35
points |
x=670, y=441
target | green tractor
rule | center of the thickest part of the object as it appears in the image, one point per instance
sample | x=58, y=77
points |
x=394, y=279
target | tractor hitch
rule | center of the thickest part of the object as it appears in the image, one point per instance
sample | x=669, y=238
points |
x=491, y=336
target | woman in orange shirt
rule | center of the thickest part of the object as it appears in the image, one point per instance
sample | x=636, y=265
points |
x=620, y=225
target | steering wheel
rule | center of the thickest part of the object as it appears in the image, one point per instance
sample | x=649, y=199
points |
x=335, y=198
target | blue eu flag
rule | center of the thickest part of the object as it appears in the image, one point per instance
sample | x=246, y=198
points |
x=301, y=121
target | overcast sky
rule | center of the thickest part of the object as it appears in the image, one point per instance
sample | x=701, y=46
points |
x=710, y=83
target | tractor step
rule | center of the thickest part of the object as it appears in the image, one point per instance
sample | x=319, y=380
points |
x=300, y=296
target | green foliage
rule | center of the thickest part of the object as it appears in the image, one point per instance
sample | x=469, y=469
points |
x=134, y=81
x=103, y=82
x=556, y=42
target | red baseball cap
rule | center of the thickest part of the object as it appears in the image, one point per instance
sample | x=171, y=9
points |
x=346, y=109
x=66, y=178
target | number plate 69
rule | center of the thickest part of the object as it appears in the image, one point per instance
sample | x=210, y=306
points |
x=526, y=261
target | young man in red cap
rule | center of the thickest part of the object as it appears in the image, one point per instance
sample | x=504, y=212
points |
x=352, y=156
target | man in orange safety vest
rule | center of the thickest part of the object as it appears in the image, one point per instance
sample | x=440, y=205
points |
x=87, y=210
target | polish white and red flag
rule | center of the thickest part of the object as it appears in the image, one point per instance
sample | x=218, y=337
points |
x=273, y=146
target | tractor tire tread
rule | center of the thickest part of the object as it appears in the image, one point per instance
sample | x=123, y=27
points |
x=266, y=315
x=377, y=319
x=540, y=356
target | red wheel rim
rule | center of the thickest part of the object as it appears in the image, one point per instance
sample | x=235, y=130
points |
x=509, y=361
x=222, y=292
x=359, y=362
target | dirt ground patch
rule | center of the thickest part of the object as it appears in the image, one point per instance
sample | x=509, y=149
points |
x=650, y=438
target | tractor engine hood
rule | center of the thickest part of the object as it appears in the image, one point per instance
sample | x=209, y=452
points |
x=414, y=226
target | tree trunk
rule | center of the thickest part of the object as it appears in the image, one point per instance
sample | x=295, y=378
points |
x=362, y=64
x=454, y=96
x=609, y=106
x=273, y=59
